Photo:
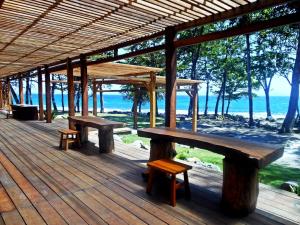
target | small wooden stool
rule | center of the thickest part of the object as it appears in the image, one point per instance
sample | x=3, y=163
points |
x=68, y=136
x=172, y=168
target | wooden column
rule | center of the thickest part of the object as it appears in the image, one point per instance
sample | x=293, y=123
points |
x=40, y=94
x=94, y=97
x=8, y=91
x=71, y=91
x=84, y=85
x=21, y=92
x=170, y=54
x=240, y=187
x=1, y=95
x=48, y=95
x=195, y=106
x=152, y=96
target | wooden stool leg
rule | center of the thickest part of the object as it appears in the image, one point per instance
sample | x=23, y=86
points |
x=67, y=144
x=61, y=140
x=150, y=181
x=187, y=185
x=78, y=140
x=173, y=190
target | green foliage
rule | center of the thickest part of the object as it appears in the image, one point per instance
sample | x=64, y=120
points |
x=275, y=175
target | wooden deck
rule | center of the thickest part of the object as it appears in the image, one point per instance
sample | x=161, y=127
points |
x=40, y=184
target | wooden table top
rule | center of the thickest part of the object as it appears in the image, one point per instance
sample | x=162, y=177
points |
x=95, y=122
x=260, y=154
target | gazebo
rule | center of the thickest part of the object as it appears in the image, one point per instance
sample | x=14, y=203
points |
x=138, y=76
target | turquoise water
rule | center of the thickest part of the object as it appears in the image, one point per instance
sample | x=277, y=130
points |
x=279, y=104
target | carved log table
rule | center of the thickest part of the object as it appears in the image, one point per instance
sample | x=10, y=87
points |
x=242, y=161
x=105, y=130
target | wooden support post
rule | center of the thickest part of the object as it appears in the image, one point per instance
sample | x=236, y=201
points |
x=135, y=105
x=40, y=93
x=152, y=94
x=84, y=85
x=94, y=97
x=1, y=95
x=48, y=95
x=195, y=107
x=8, y=91
x=71, y=91
x=170, y=54
x=21, y=92
x=161, y=149
x=240, y=187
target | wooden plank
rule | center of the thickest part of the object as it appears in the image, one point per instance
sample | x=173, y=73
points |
x=40, y=94
x=6, y=204
x=259, y=154
x=48, y=96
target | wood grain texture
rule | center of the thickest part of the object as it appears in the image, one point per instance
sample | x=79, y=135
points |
x=259, y=154
x=85, y=188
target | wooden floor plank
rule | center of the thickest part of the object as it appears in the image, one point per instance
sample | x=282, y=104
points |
x=108, y=188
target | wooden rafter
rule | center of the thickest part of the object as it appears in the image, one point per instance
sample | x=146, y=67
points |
x=46, y=32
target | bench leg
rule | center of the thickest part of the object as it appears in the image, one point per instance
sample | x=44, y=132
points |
x=187, y=190
x=61, y=140
x=150, y=181
x=240, y=187
x=106, y=139
x=173, y=190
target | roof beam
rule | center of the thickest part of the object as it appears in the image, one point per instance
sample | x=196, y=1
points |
x=241, y=30
x=240, y=11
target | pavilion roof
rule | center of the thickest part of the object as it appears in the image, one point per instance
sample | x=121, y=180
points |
x=36, y=32
x=107, y=70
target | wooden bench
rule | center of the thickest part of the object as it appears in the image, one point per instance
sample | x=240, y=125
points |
x=242, y=161
x=172, y=168
x=68, y=136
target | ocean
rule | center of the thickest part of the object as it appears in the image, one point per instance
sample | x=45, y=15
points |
x=279, y=104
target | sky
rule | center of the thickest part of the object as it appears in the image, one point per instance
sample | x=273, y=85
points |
x=279, y=87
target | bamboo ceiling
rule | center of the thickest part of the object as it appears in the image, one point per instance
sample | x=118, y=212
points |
x=106, y=70
x=38, y=32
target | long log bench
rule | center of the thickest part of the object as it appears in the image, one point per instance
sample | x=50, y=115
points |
x=242, y=161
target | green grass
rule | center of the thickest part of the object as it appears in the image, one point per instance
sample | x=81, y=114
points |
x=143, y=120
x=273, y=174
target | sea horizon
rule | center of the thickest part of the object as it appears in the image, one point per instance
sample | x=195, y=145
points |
x=117, y=102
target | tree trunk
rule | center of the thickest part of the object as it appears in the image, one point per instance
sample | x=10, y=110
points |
x=14, y=95
x=224, y=91
x=195, y=57
x=27, y=91
x=289, y=120
x=53, y=88
x=217, y=102
x=228, y=104
x=101, y=99
x=78, y=97
x=206, y=98
x=190, y=110
x=250, y=97
x=268, y=107
x=62, y=97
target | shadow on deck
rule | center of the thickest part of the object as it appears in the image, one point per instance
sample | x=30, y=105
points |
x=40, y=184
